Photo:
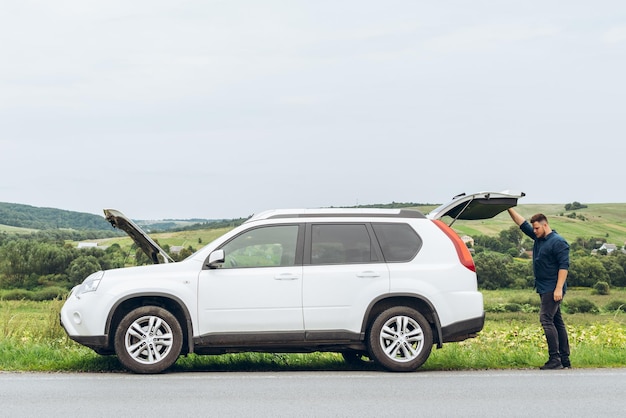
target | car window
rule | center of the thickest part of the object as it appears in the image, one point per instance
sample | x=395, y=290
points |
x=340, y=244
x=270, y=246
x=398, y=241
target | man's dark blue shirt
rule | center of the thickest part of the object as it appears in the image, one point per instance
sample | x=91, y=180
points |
x=550, y=254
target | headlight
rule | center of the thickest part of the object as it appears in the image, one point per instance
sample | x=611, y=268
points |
x=90, y=284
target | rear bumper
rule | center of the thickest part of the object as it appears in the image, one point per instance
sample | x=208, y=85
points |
x=463, y=330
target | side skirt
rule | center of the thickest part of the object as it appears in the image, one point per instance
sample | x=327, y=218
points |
x=288, y=341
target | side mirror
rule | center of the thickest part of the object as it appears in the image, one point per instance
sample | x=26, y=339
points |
x=216, y=259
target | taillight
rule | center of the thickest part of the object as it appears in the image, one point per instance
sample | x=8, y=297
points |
x=461, y=249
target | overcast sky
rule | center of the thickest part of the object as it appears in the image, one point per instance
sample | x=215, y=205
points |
x=211, y=109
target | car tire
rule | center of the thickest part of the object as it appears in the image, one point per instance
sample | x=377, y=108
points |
x=400, y=339
x=148, y=340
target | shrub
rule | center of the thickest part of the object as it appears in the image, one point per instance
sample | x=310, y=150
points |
x=526, y=300
x=585, y=271
x=491, y=270
x=580, y=305
x=522, y=283
x=526, y=303
x=49, y=293
x=615, y=306
x=17, y=294
x=601, y=288
x=512, y=307
x=494, y=307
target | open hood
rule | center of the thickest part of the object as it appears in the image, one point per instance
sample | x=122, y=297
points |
x=481, y=205
x=143, y=241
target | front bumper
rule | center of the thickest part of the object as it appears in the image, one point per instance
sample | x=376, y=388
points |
x=98, y=343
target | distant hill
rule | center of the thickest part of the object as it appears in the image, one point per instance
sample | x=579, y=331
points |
x=15, y=217
x=605, y=221
x=31, y=217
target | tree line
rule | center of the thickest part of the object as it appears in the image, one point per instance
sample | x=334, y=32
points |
x=43, y=260
x=504, y=262
x=46, y=260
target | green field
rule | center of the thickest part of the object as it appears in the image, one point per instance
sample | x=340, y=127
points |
x=193, y=238
x=15, y=230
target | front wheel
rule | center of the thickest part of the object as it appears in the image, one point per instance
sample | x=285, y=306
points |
x=148, y=340
x=400, y=339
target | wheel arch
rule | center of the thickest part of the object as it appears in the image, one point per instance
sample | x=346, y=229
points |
x=166, y=301
x=417, y=302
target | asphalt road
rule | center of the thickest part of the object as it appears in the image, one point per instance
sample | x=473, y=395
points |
x=562, y=393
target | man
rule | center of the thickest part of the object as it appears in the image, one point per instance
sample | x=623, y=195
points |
x=550, y=266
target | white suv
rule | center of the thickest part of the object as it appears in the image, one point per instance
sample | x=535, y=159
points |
x=387, y=284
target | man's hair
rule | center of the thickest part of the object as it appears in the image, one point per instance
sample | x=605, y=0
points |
x=540, y=217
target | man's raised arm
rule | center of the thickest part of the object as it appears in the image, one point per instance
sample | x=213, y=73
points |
x=517, y=218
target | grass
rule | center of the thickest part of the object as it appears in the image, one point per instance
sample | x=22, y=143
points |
x=31, y=339
x=503, y=296
x=15, y=229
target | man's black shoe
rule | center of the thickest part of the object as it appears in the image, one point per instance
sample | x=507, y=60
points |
x=566, y=363
x=552, y=364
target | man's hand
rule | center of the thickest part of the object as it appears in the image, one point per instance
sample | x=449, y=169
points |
x=560, y=282
x=558, y=295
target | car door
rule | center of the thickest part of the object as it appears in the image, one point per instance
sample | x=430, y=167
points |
x=258, y=289
x=343, y=272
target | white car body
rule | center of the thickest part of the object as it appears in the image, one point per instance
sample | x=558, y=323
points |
x=299, y=307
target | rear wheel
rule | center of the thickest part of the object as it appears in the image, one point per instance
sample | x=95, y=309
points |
x=400, y=339
x=148, y=340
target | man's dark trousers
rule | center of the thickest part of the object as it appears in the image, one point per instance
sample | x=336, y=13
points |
x=553, y=327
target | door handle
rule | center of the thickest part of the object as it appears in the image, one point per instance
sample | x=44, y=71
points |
x=286, y=276
x=367, y=274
